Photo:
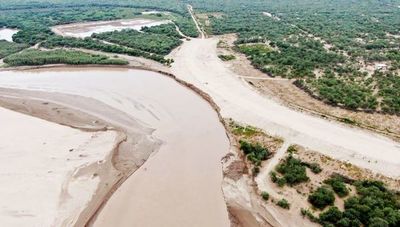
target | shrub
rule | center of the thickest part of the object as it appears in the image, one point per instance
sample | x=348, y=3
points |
x=283, y=203
x=255, y=152
x=256, y=170
x=338, y=186
x=307, y=213
x=281, y=182
x=315, y=168
x=292, y=170
x=321, y=198
x=332, y=215
x=226, y=57
x=273, y=176
x=292, y=149
x=265, y=195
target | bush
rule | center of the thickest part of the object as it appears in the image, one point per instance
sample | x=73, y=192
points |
x=338, y=186
x=256, y=170
x=322, y=198
x=292, y=170
x=273, y=176
x=307, y=213
x=281, y=182
x=292, y=149
x=226, y=57
x=255, y=152
x=283, y=203
x=332, y=215
x=314, y=167
x=265, y=195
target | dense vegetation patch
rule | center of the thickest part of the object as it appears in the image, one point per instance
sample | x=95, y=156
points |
x=88, y=43
x=256, y=153
x=37, y=57
x=7, y=48
x=163, y=29
x=332, y=48
x=293, y=171
x=157, y=43
x=374, y=205
x=338, y=185
x=322, y=197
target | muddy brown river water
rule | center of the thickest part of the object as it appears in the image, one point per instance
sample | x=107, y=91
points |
x=180, y=184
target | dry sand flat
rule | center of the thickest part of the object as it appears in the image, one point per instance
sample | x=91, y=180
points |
x=181, y=184
x=82, y=30
x=39, y=172
x=197, y=62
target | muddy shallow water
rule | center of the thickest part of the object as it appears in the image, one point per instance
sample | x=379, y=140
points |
x=6, y=34
x=180, y=185
x=82, y=30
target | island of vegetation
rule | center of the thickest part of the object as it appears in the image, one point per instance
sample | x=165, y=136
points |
x=37, y=57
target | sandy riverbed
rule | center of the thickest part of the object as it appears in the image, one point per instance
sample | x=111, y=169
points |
x=82, y=30
x=180, y=185
x=44, y=169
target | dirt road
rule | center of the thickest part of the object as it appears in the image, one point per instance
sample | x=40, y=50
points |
x=197, y=62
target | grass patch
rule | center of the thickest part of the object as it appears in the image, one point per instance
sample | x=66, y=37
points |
x=228, y=57
x=246, y=131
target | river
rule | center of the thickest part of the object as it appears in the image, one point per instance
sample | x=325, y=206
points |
x=180, y=184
